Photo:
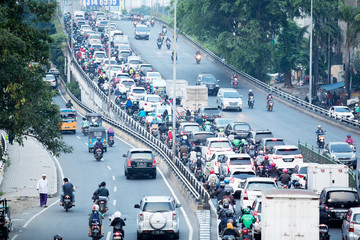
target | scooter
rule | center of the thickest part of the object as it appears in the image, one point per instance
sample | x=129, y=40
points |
x=198, y=58
x=159, y=44
x=235, y=83
x=98, y=154
x=168, y=44
x=184, y=158
x=85, y=130
x=111, y=141
x=117, y=235
x=95, y=231
x=67, y=203
x=251, y=102
x=102, y=202
x=270, y=105
x=324, y=232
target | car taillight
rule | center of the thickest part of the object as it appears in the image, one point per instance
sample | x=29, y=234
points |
x=141, y=217
x=154, y=163
x=277, y=157
x=132, y=94
x=117, y=234
x=216, y=164
x=174, y=216
x=298, y=156
x=326, y=207
x=145, y=104
x=246, y=196
x=129, y=163
x=232, y=180
x=300, y=176
x=255, y=216
x=351, y=227
x=252, y=165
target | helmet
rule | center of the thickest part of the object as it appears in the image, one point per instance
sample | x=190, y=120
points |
x=226, y=180
x=184, y=138
x=222, y=185
x=117, y=214
x=95, y=124
x=103, y=184
x=207, y=123
x=266, y=157
x=229, y=213
x=198, y=154
x=84, y=118
x=128, y=98
x=96, y=207
x=356, y=105
x=208, y=164
x=261, y=152
x=247, y=210
x=221, y=130
x=349, y=135
x=98, y=138
x=170, y=128
x=226, y=205
x=222, y=177
x=243, y=141
x=273, y=164
x=319, y=126
x=252, y=147
x=57, y=237
x=285, y=170
x=227, y=192
x=250, y=90
x=212, y=171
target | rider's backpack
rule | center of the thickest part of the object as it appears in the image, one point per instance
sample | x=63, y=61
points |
x=95, y=217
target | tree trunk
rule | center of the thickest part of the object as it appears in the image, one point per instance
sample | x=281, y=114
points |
x=316, y=67
x=287, y=80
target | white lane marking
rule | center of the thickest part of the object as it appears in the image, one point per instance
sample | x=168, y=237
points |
x=113, y=178
x=86, y=143
x=33, y=217
x=78, y=137
x=14, y=237
x=108, y=236
x=59, y=166
x=114, y=202
x=108, y=167
x=115, y=189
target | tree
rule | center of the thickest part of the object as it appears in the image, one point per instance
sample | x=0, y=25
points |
x=351, y=16
x=26, y=102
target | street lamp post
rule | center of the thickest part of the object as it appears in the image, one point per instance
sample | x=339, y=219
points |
x=174, y=88
x=109, y=56
x=310, y=60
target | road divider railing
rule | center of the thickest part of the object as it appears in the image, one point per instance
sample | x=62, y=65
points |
x=313, y=154
x=133, y=128
x=286, y=96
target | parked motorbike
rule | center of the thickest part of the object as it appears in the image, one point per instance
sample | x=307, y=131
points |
x=98, y=154
x=270, y=105
x=111, y=141
x=321, y=140
x=324, y=232
x=85, y=131
x=102, y=202
x=251, y=102
x=198, y=58
x=67, y=203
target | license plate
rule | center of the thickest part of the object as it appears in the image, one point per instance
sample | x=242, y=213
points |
x=153, y=105
x=158, y=232
x=141, y=164
x=288, y=159
x=233, y=103
x=340, y=214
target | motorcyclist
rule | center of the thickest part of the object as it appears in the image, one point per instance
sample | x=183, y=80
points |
x=212, y=179
x=165, y=115
x=230, y=231
x=185, y=141
x=236, y=143
x=357, y=109
x=58, y=237
x=162, y=128
x=220, y=192
x=228, y=196
x=142, y=113
x=250, y=94
x=131, y=71
x=102, y=191
x=135, y=106
x=197, y=52
x=285, y=177
x=170, y=135
x=68, y=189
x=268, y=98
x=221, y=180
x=84, y=124
x=221, y=133
x=110, y=132
x=247, y=220
x=223, y=210
x=266, y=164
x=228, y=216
x=207, y=126
x=319, y=131
x=183, y=149
x=168, y=40
x=96, y=217
x=227, y=185
x=128, y=104
x=272, y=172
x=98, y=145
x=349, y=140
x=69, y=104
x=118, y=223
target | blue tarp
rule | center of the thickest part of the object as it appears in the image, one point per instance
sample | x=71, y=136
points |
x=333, y=86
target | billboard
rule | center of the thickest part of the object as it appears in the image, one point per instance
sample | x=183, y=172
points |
x=101, y=2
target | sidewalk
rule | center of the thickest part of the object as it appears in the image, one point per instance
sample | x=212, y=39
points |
x=27, y=164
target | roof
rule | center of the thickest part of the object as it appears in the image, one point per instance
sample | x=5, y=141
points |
x=342, y=143
x=333, y=86
x=140, y=149
x=157, y=198
x=260, y=179
x=270, y=139
x=228, y=89
x=97, y=129
x=190, y=123
x=285, y=146
x=218, y=139
x=290, y=193
x=330, y=189
x=238, y=155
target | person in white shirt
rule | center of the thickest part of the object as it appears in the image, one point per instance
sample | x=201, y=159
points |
x=42, y=187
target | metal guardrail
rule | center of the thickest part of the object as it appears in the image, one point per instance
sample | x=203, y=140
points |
x=316, y=109
x=311, y=155
x=130, y=126
x=3, y=145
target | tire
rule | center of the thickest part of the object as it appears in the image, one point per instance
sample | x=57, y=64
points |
x=153, y=175
x=222, y=107
x=240, y=109
x=128, y=176
x=139, y=236
x=177, y=235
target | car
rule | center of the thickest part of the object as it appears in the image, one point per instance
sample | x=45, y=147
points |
x=220, y=123
x=105, y=63
x=188, y=127
x=340, y=112
x=115, y=69
x=99, y=57
x=80, y=23
x=255, y=210
x=51, y=80
x=120, y=40
x=350, y=227
x=209, y=81
x=267, y=144
x=255, y=136
x=136, y=93
x=144, y=68
x=341, y=151
x=150, y=102
x=228, y=98
x=157, y=216
x=101, y=25
x=335, y=202
x=240, y=130
x=85, y=28
x=209, y=113
x=253, y=187
x=142, y=32
x=217, y=163
x=237, y=178
x=199, y=138
x=115, y=26
x=124, y=55
x=97, y=47
x=160, y=110
x=213, y=145
x=132, y=62
x=150, y=76
x=126, y=82
x=238, y=161
x=139, y=161
x=286, y=156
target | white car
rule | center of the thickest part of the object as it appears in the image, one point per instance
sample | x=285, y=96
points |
x=106, y=61
x=157, y=216
x=239, y=161
x=340, y=112
x=128, y=83
x=253, y=187
x=136, y=93
x=85, y=28
x=213, y=145
x=228, y=98
x=150, y=102
x=99, y=56
x=160, y=110
x=132, y=62
x=216, y=162
x=286, y=156
x=115, y=69
x=51, y=80
x=150, y=76
x=237, y=179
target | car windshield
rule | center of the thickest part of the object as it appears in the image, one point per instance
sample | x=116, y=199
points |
x=272, y=143
x=146, y=68
x=116, y=68
x=154, y=99
x=142, y=29
x=158, y=207
x=49, y=77
x=124, y=47
x=260, y=136
x=106, y=61
x=208, y=79
x=223, y=121
x=141, y=155
x=100, y=55
x=342, y=110
x=288, y=151
x=137, y=90
x=153, y=74
x=104, y=23
x=160, y=110
x=260, y=186
x=192, y=128
x=96, y=46
x=134, y=61
x=243, y=175
x=242, y=127
x=220, y=144
x=95, y=36
x=85, y=27
x=340, y=148
x=342, y=196
x=211, y=111
x=231, y=95
x=240, y=161
x=128, y=82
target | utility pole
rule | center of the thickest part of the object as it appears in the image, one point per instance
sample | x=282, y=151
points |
x=310, y=61
x=174, y=90
x=109, y=56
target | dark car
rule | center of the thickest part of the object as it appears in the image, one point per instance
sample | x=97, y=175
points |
x=209, y=113
x=139, y=161
x=335, y=203
x=210, y=82
x=144, y=68
x=255, y=136
x=188, y=127
x=142, y=32
x=220, y=123
x=198, y=138
x=238, y=129
x=267, y=144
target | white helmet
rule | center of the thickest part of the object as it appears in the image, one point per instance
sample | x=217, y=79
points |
x=117, y=214
x=96, y=207
x=356, y=105
x=319, y=126
x=184, y=138
x=250, y=90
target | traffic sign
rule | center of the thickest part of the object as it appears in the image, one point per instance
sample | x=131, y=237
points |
x=101, y=2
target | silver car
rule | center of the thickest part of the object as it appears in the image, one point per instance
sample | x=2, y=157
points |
x=350, y=228
x=142, y=32
x=228, y=98
x=341, y=151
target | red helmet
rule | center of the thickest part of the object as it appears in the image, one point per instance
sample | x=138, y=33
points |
x=266, y=157
x=273, y=164
x=285, y=170
x=212, y=171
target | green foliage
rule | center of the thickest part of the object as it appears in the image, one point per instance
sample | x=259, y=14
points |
x=56, y=54
x=26, y=103
x=74, y=89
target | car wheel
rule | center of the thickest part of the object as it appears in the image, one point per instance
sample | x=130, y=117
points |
x=240, y=110
x=139, y=236
x=154, y=175
x=128, y=176
x=177, y=235
x=222, y=107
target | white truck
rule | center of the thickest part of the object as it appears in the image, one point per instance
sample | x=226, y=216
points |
x=195, y=97
x=320, y=176
x=180, y=87
x=289, y=214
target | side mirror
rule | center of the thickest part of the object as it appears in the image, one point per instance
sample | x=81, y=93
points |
x=178, y=205
x=136, y=206
x=124, y=155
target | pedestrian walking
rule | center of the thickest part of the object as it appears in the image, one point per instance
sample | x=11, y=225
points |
x=42, y=187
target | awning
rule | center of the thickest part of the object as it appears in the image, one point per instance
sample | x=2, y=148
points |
x=333, y=86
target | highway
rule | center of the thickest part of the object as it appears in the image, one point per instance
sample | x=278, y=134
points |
x=285, y=121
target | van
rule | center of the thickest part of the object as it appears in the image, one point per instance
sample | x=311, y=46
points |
x=228, y=98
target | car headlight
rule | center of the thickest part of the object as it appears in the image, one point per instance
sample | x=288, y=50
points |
x=354, y=156
x=217, y=85
x=136, y=33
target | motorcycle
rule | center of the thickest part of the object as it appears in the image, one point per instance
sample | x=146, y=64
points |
x=270, y=105
x=324, y=232
x=199, y=174
x=168, y=44
x=102, y=202
x=212, y=189
x=135, y=115
x=159, y=44
x=198, y=58
x=152, y=23
x=251, y=102
x=95, y=231
x=163, y=138
x=321, y=140
x=117, y=235
x=184, y=158
x=235, y=83
x=353, y=147
x=98, y=154
x=122, y=105
x=111, y=141
x=67, y=203
x=85, y=130
x=246, y=234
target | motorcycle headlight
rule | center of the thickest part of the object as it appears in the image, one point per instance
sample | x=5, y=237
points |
x=217, y=85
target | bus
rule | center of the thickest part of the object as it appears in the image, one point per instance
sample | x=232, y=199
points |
x=68, y=120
